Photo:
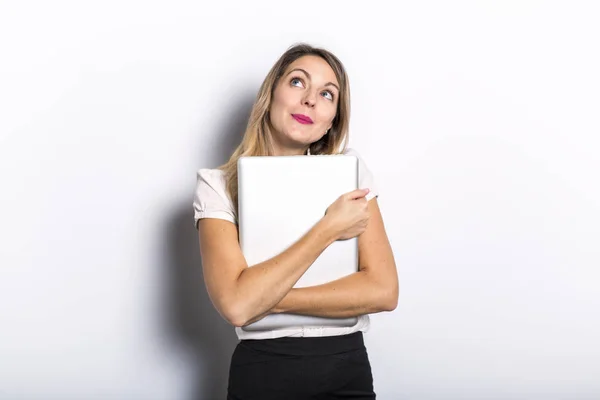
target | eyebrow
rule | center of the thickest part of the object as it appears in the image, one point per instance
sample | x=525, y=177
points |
x=308, y=75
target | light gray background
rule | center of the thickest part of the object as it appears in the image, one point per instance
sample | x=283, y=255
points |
x=479, y=121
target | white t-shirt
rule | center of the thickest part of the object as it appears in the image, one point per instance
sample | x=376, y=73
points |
x=212, y=201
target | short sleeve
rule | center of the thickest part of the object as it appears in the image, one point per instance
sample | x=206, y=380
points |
x=211, y=199
x=365, y=177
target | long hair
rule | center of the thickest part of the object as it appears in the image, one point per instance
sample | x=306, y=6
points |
x=257, y=140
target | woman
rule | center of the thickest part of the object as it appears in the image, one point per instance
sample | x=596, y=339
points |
x=302, y=108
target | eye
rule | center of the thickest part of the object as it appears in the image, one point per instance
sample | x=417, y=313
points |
x=330, y=95
x=295, y=80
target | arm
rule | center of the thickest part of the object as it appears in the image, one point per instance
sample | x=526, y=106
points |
x=241, y=293
x=373, y=289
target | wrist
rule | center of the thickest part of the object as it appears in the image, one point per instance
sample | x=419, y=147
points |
x=284, y=305
x=326, y=231
x=278, y=309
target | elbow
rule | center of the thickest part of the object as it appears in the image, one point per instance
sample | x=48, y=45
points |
x=389, y=298
x=384, y=289
x=390, y=304
x=235, y=311
x=235, y=320
x=234, y=314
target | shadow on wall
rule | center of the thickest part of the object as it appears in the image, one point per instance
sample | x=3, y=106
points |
x=191, y=317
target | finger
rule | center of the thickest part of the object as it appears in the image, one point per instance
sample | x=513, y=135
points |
x=357, y=194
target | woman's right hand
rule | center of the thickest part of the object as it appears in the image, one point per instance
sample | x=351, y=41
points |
x=348, y=216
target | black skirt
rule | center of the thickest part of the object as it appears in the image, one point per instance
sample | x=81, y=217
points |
x=331, y=367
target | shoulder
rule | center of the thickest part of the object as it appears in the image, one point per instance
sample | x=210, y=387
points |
x=212, y=181
x=365, y=176
x=212, y=177
x=350, y=152
x=211, y=198
x=353, y=152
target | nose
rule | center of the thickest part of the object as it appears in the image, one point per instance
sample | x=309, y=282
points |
x=309, y=98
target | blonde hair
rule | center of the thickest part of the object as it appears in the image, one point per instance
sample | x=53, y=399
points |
x=257, y=140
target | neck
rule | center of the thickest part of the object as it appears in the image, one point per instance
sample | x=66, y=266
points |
x=279, y=150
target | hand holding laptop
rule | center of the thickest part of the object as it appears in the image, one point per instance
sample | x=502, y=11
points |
x=348, y=215
x=280, y=199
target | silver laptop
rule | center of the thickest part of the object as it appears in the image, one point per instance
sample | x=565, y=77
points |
x=280, y=199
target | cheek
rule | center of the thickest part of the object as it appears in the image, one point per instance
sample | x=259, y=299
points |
x=282, y=98
x=279, y=110
x=327, y=115
x=276, y=102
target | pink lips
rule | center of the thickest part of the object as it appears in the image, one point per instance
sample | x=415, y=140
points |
x=303, y=119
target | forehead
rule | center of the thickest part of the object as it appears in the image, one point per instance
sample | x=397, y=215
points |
x=318, y=68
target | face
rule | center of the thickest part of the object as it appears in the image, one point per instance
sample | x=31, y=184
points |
x=304, y=104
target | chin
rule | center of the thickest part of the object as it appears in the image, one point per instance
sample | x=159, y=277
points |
x=301, y=137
